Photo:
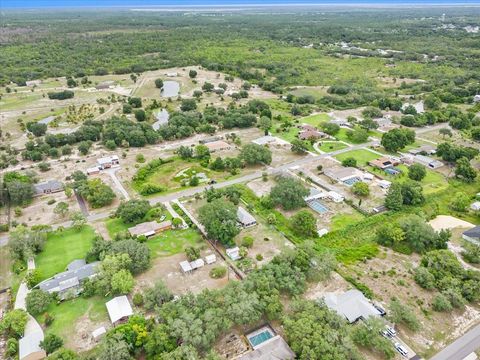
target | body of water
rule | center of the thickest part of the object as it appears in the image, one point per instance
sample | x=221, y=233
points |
x=170, y=89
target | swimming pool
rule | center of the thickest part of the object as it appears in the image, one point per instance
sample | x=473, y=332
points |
x=351, y=181
x=317, y=206
x=260, y=337
x=392, y=171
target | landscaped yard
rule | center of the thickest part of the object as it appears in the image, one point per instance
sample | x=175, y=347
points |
x=330, y=146
x=342, y=135
x=314, y=120
x=61, y=248
x=172, y=242
x=340, y=221
x=362, y=156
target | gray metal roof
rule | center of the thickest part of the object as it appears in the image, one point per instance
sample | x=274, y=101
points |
x=244, y=217
x=474, y=233
x=50, y=185
x=58, y=282
x=76, y=264
x=352, y=304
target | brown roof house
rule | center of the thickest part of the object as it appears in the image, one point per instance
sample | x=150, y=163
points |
x=383, y=163
x=311, y=134
x=218, y=146
x=150, y=228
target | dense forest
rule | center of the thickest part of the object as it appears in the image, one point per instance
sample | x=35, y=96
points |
x=318, y=47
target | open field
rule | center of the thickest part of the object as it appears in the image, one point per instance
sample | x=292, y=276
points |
x=61, y=248
x=172, y=242
x=330, y=146
x=362, y=156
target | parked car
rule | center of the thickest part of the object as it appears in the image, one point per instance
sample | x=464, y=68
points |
x=385, y=334
x=391, y=330
x=211, y=182
x=401, y=349
x=380, y=309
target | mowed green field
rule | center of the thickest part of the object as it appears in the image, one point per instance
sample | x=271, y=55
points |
x=331, y=146
x=61, y=248
x=314, y=120
x=172, y=242
x=362, y=156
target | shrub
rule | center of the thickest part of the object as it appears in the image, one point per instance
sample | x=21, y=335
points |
x=349, y=162
x=137, y=299
x=37, y=301
x=441, y=303
x=259, y=257
x=247, y=241
x=218, y=272
x=51, y=343
x=192, y=253
x=32, y=278
x=48, y=319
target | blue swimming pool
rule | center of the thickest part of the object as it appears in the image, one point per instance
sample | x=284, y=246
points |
x=317, y=206
x=392, y=171
x=259, y=338
x=351, y=181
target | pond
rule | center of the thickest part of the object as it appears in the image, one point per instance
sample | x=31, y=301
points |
x=170, y=89
x=162, y=119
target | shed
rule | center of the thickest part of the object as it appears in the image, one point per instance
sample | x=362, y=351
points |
x=98, y=333
x=149, y=228
x=185, y=266
x=335, y=197
x=210, y=259
x=384, y=184
x=93, y=170
x=196, y=264
x=119, y=309
x=29, y=347
x=475, y=206
x=245, y=218
x=428, y=161
x=233, y=253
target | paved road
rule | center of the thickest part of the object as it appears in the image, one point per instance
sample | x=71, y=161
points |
x=461, y=347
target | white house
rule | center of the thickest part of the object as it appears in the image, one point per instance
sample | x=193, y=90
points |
x=119, y=309
x=108, y=162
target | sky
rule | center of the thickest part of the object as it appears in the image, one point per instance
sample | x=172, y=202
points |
x=136, y=3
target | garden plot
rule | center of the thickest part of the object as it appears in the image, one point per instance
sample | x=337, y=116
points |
x=41, y=210
x=260, y=187
x=390, y=275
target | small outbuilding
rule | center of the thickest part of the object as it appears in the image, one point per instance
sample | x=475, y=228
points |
x=149, y=228
x=119, y=309
x=475, y=206
x=210, y=259
x=219, y=145
x=98, y=333
x=108, y=162
x=233, y=253
x=245, y=218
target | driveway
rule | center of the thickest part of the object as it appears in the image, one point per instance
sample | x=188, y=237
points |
x=461, y=347
x=117, y=183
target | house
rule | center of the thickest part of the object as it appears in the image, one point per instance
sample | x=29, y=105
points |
x=273, y=348
x=335, y=197
x=472, y=235
x=48, y=187
x=352, y=304
x=69, y=283
x=314, y=194
x=219, y=145
x=475, y=206
x=311, y=134
x=476, y=98
x=245, y=218
x=105, y=85
x=29, y=347
x=149, y=228
x=342, y=174
x=108, y=162
x=383, y=163
x=119, y=309
x=424, y=149
x=428, y=161
x=233, y=253
x=270, y=140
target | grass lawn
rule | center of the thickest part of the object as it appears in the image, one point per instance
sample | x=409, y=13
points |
x=331, y=146
x=172, y=242
x=61, y=248
x=67, y=313
x=314, y=120
x=362, y=156
x=115, y=226
x=340, y=221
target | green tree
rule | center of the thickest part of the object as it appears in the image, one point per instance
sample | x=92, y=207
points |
x=202, y=152
x=417, y=172
x=349, y=162
x=460, y=202
x=188, y=105
x=114, y=348
x=361, y=188
x=412, y=193
x=61, y=209
x=13, y=323
x=37, y=301
x=156, y=296
x=21, y=193
x=135, y=102
x=185, y=152
x=140, y=115
x=122, y=282
x=288, y=193
x=159, y=83
x=464, y=170
x=397, y=139
x=367, y=335
x=51, y=343
x=254, y=154
x=78, y=219
x=192, y=74
x=133, y=211
x=298, y=146
x=208, y=87
x=330, y=128
x=265, y=123
x=219, y=218
x=441, y=303
x=304, y=224
x=63, y=354
x=394, y=198
x=160, y=341
x=24, y=243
